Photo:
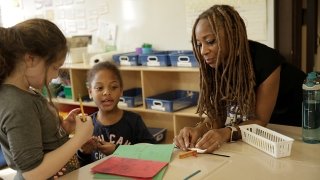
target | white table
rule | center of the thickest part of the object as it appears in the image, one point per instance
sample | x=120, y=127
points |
x=245, y=162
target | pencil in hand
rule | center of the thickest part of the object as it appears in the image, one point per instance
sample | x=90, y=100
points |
x=83, y=116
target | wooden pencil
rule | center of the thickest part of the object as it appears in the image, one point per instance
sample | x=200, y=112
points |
x=83, y=118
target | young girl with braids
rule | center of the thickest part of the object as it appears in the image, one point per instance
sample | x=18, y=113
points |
x=33, y=138
x=241, y=82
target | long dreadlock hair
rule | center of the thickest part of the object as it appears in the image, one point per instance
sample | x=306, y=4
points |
x=233, y=81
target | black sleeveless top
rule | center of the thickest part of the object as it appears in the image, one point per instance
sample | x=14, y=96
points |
x=288, y=109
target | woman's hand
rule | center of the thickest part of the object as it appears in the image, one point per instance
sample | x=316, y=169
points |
x=213, y=139
x=69, y=123
x=187, y=137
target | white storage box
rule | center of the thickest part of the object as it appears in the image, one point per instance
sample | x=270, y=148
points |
x=271, y=142
x=76, y=55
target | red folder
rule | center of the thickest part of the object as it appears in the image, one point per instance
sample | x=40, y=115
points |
x=136, y=168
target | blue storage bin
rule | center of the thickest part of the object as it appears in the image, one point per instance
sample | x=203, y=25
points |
x=159, y=58
x=172, y=101
x=126, y=59
x=183, y=59
x=159, y=134
x=131, y=98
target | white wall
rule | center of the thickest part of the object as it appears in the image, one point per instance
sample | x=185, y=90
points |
x=162, y=23
x=270, y=23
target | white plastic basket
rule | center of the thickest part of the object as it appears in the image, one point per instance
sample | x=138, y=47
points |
x=271, y=142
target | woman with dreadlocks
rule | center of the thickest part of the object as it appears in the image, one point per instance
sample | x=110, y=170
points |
x=241, y=82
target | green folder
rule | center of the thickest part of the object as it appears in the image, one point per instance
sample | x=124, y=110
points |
x=155, y=152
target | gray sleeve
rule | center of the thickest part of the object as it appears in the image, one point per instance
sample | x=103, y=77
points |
x=23, y=130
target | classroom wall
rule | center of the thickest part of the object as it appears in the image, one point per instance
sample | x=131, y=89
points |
x=164, y=23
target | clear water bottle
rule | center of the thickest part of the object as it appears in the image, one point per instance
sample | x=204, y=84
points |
x=311, y=109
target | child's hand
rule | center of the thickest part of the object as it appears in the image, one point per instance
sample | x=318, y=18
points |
x=83, y=130
x=106, y=148
x=89, y=146
x=69, y=123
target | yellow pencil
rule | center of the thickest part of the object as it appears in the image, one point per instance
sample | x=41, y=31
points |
x=83, y=118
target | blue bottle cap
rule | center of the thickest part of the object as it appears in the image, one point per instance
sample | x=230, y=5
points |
x=312, y=82
x=312, y=76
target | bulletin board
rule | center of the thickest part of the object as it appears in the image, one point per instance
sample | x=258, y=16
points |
x=253, y=12
x=166, y=24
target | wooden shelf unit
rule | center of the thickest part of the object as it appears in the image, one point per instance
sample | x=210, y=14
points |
x=152, y=80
